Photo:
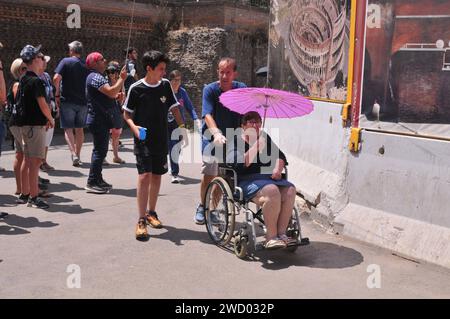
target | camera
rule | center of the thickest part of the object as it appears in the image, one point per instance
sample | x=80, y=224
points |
x=113, y=68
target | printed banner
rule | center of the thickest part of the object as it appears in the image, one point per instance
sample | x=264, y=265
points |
x=406, y=86
x=308, y=47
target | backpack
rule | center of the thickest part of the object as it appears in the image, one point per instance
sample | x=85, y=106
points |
x=15, y=107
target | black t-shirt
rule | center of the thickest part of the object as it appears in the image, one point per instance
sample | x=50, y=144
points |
x=150, y=105
x=32, y=87
x=74, y=73
x=263, y=162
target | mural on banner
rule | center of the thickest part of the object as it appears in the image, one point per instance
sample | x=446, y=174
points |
x=406, y=83
x=309, y=43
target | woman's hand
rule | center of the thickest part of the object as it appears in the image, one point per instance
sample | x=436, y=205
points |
x=278, y=170
x=276, y=174
x=123, y=73
x=120, y=97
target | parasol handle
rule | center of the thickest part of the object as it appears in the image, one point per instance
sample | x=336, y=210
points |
x=264, y=120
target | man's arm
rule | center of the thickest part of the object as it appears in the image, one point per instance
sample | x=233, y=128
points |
x=2, y=86
x=207, y=111
x=45, y=109
x=57, y=83
x=177, y=115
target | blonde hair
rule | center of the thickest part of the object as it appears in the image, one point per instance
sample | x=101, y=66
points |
x=15, y=68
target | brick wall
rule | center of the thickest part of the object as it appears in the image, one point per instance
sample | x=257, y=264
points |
x=107, y=33
x=195, y=35
x=421, y=87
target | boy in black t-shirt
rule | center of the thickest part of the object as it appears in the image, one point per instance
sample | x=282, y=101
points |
x=146, y=107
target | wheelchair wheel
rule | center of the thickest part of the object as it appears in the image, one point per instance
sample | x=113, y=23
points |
x=219, y=211
x=240, y=246
x=293, y=231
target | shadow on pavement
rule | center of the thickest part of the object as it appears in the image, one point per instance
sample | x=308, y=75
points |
x=10, y=230
x=63, y=187
x=26, y=222
x=316, y=255
x=7, y=174
x=8, y=200
x=188, y=180
x=68, y=209
x=55, y=199
x=124, y=192
x=113, y=165
x=177, y=235
x=63, y=173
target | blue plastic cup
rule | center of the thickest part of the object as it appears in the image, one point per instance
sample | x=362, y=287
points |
x=142, y=133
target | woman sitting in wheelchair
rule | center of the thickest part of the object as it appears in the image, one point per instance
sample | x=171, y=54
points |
x=259, y=165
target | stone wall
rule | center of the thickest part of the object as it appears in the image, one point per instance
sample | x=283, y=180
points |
x=197, y=51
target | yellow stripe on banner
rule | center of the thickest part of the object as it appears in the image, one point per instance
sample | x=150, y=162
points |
x=320, y=99
x=351, y=53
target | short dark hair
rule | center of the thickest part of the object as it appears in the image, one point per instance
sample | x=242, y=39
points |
x=174, y=74
x=153, y=58
x=252, y=115
x=228, y=61
x=129, y=50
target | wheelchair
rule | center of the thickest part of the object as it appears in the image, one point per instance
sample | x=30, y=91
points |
x=224, y=201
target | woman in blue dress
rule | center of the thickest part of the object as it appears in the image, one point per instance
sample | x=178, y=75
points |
x=259, y=165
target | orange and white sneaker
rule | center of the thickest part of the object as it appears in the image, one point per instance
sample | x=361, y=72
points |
x=141, y=229
x=152, y=220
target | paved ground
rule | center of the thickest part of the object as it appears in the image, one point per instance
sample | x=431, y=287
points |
x=96, y=233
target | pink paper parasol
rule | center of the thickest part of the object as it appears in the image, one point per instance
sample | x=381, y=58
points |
x=267, y=102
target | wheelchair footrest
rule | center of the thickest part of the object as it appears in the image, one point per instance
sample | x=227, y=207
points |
x=304, y=241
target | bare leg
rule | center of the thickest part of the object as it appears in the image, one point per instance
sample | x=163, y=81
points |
x=24, y=176
x=155, y=185
x=45, y=158
x=287, y=205
x=17, y=166
x=34, y=164
x=79, y=140
x=142, y=193
x=115, y=135
x=270, y=199
x=206, y=179
x=70, y=139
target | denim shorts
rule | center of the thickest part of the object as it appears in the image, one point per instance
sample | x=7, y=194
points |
x=73, y=115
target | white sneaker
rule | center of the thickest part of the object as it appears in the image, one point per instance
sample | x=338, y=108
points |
x=76, y=161
x=175, y=180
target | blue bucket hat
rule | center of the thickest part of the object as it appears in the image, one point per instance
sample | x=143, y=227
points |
x=29, y=52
